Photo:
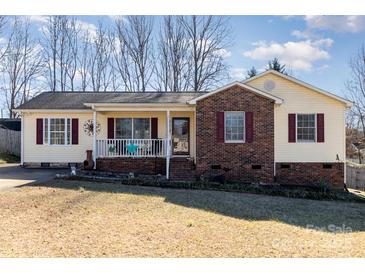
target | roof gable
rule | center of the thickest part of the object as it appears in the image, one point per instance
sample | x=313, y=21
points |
x=301, y=83
x=276, y=99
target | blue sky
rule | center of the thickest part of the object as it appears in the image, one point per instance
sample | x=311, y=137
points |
x=316, y=48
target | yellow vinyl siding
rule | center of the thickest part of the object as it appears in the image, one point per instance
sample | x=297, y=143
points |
x=299, y=99
x=34, y=153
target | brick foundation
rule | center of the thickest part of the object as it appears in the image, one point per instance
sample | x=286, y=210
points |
x=181, y=169
x=236, y=162
x=310, y=173
x=147, y=166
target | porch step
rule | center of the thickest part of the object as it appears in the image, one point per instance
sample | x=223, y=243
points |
x=182, y=169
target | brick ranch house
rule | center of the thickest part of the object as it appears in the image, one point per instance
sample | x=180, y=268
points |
x=271, y=128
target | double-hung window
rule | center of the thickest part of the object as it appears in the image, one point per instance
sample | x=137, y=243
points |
x=234, y=126
x=57, y=131
x=306, y=127
x=132, y=128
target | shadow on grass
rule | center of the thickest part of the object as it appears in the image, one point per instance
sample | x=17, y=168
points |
x=329, y=216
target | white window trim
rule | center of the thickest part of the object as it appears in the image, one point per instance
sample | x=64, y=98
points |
x=115, y=126
x=244, y=129
x=315, y=128
x=49, y=131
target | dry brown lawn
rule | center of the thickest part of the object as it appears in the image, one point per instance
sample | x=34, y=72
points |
x=80, y=219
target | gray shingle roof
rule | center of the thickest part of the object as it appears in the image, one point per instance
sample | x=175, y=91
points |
x=76, y=100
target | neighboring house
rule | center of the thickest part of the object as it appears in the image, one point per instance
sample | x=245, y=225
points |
x=271, y=128
x=11, y=124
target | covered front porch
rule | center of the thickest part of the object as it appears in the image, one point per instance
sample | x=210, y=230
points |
x=130, y=134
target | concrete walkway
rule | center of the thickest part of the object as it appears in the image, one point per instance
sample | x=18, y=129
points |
x=12, y=175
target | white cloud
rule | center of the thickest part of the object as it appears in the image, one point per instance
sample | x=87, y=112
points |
x=326, y=42
x=302, y=34
x=338, y=23
x=289, y=17
x=223, y=53
x=38, y=18
x=238, y=73
x=118, y=17
x=259, y=43
x=298, y=55
x=82, y=25
x=3, y=40
x=87, y=27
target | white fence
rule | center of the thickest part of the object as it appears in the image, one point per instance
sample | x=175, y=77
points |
x=131, y=148
x=355, y=177
x=10, y=141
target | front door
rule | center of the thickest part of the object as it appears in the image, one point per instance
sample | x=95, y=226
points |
x=180, y=136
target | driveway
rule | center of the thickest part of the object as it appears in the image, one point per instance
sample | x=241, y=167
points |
x=12, y=175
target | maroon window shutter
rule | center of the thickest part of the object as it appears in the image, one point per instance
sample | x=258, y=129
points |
x=154, y=128
x=39, y=131
x=110, y=128
x=220, y=127
x=320, y=127
x=249, y=126
x=75, y=131
x=291, y=127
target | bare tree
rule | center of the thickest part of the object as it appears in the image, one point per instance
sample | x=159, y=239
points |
x=356, y=85
x=70, y=34
x=101, y=69
x=209, y=37
x=3, y=21
x=21, y=64
x=172, y=70
x=133, y=51
x=355, y=141
x=355, y=119
x=122, y=60
x=60, y=49
x=84, y=61
x=50, y=49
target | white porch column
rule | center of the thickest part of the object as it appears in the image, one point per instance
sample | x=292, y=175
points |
x=94, y=138
x=168, y=147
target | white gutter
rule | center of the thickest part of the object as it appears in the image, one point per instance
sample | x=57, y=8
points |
x=52, y=110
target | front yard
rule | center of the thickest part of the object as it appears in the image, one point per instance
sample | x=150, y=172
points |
x=80, y=219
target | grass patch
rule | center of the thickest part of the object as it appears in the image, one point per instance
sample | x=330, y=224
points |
x=6, y=158
x=84, y=219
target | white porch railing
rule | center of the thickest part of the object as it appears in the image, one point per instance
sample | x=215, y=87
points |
x=131, y=148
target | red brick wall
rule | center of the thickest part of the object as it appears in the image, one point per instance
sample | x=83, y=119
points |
x=148, y=166
x=237, y=157
x=181, y=169
x=310, y=173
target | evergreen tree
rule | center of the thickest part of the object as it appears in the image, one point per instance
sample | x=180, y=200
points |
x=251, y=73
x=274, y=64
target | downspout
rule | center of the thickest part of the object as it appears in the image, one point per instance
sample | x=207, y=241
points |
x=344, y=151
x=168, y=145
x=22, y=139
